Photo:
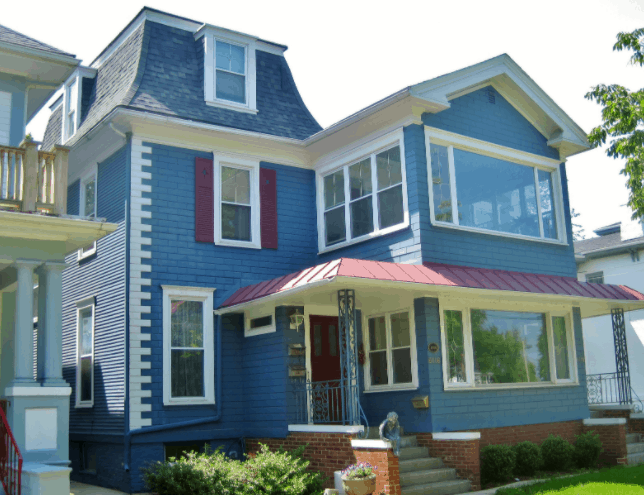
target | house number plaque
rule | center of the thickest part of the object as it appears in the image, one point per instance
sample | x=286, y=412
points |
x=433, y=347
x=434, y=360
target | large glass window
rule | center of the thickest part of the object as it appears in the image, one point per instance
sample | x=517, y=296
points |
x=85, y=366
x=230, y=74
x=483, y=192
x=364, y=198
x=390, y=344
x=485, y=348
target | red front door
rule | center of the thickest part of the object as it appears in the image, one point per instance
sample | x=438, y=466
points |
x=325, y=367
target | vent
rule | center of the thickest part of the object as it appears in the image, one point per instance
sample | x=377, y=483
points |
x=491, y=97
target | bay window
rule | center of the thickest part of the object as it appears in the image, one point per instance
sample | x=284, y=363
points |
x=483, y=187
x=488, y=348
x=365, y=196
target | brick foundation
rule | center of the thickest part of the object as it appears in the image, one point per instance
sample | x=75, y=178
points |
x=613, y=438
x=537, y=433
x=635, y=425
x=462, y=455
x=387, y=472
x=327, y=452
x=616, y=413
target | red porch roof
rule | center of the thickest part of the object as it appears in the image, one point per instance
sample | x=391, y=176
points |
x=437, y=274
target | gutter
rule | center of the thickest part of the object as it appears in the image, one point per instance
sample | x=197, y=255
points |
x=182, y=424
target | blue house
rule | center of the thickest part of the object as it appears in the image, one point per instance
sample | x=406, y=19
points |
x=270, y=279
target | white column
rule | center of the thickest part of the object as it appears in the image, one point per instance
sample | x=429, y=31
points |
x=24, y=324
x=50, y=331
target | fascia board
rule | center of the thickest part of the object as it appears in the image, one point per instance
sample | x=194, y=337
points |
x=51, y=57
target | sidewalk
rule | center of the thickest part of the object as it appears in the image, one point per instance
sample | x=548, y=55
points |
x=83, y=489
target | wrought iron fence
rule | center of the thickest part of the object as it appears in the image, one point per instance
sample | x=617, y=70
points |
x=10, y=457
x=324, y=402
x=607, y=388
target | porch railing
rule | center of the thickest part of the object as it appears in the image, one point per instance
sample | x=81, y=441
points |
x=10, y=457
x=323, y=402
x=605, y=388
x=33, y=180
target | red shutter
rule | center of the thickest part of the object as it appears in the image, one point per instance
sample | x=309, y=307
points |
x=268, y=208
x=204, y=201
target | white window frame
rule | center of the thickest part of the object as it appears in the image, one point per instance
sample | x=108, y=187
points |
x=71, y=105
x=452, y=140
x=594, y=275
x=391, y=387
x=259, y=330
x=211, y=35
x=548, y=311
x=369, y=150
x=205, y=296
x=89, y=302
x=252, y=166
x=91, y=173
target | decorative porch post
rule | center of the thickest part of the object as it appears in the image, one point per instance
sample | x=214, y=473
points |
x=348, y=355
x=621, y=356
x=24, y=324
x=50, y=331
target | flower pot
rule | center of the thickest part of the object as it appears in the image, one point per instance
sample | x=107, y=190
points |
x=359, y=486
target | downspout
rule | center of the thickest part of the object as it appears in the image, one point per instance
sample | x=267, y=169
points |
x=128, y=196
x=182, y=424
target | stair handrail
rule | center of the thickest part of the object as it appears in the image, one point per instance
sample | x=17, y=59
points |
x=638, y=406
x=10, y=458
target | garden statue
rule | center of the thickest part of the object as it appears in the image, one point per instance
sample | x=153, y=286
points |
x=390, y=430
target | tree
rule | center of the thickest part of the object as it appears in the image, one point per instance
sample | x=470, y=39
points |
x=623, y=122
x=577, y=230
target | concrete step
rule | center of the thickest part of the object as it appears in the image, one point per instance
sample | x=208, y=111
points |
x=441, y=488
x=421, y=464
x=413, y=453
x=635, y=459
x=427, y=476
x=633, y=438
x=635, y=448
x=408, y=441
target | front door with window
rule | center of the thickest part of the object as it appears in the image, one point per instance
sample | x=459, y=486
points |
x=325, y=369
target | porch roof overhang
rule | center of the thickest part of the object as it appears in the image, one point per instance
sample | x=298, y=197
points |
x=593, y=299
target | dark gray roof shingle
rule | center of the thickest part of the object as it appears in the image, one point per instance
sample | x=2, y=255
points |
x=15, y=38
x=604, y=243
x=53, y=129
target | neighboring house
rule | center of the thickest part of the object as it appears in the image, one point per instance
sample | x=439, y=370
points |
x=270, y=279
x=614, y=257
x=35, y=236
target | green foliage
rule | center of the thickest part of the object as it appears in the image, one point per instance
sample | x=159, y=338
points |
x=623, y=117
x=358, y=471
x=577, y=230
x=268, y=473
x=557, y=454
x=587, y=449
x=497, y=463
x=528, y=460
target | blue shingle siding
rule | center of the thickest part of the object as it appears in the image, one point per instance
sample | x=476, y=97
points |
x=454, y=410
x=110, y=202
x=73, y=198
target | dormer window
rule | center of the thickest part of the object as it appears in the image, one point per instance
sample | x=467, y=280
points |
x=230, y=72
x=71, y=108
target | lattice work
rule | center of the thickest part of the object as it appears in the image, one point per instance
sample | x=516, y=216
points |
x=621, y=356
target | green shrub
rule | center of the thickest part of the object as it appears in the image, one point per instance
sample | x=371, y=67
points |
x=497, y=463
x=556, y=453
x=587, y=449
x=528, y=458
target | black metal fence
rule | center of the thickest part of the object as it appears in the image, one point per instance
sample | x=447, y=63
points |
x=608, y=388
x=324, y=402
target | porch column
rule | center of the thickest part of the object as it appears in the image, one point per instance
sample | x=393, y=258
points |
x=24, y=325
x=50, y=331
x=621, y=356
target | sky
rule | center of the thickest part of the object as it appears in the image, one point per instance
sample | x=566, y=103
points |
x=346, y=54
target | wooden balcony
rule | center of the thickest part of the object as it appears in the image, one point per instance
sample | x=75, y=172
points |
x=32, y=180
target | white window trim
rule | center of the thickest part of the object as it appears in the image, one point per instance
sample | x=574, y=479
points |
x=446, y=304
x=89, y=174
x=368, y=387
x=452, y=140
x=259, y=330
x=210, y=36
x=80, y=306
x=77, y=75
x=370, y=149
x=204, y=295
x=253, y=167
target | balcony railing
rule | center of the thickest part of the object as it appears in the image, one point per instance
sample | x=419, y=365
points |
x=322, y=402
x=10, y=457
x=605, y=389
x=33, y=180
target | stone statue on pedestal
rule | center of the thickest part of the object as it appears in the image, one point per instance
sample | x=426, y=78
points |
x=390, y=430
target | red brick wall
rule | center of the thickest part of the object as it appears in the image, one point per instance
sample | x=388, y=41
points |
x=462, y=455
x=613, y=438
x=636, y=425
x=536, y=433
x=387, y=469
x=616, y=413
x=328, y=452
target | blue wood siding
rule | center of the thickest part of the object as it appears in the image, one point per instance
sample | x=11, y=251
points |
x=73, y=198
x=103, y=277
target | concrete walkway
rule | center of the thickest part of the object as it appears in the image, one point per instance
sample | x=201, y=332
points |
x=83, y=489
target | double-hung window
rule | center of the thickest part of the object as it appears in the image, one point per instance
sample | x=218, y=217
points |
x=488, y=188
x=85, y=353
x=87, y=205
x=390, y=344
x=364, y=197
x=230, y=72
x=237, y=215
x=188, y=346
x=499, y=348
x=70, y=116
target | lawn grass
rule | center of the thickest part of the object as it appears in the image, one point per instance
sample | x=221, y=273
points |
x=609, y=481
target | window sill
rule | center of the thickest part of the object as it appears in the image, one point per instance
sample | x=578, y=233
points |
x=239, y=244
x=86, y=405
x=189, y=402
x=391, y=389
x=232, y=106
x=476, y=230
x=364, y=238
x=259, y=331
x=465, y=388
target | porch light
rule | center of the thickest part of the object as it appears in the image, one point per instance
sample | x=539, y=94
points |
x=297, y=319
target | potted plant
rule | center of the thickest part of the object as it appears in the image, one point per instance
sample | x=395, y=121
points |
x=359, y=479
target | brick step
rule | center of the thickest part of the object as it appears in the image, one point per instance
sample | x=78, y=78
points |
x=633, y=438
x=421, y=464
x=596, y=414
x=635, y=459
x=427, y=476
x=635, y=448
x=413, y=453
x=441, y=488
